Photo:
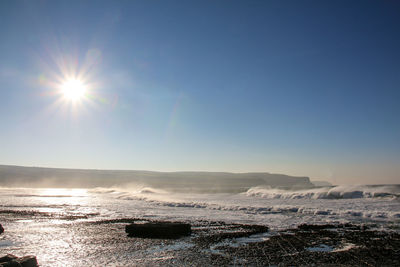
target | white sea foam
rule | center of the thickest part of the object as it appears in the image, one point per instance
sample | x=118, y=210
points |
x=376, y=203
x=276, y=208
x=336, y=192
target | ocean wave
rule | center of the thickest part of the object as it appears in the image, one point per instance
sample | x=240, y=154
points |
x=285, y=209
x=261, y=210
x=335, y=192
x=128, y=190
x=264, y=201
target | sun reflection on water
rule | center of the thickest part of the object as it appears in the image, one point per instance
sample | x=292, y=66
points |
x=63, y=192
x=66, y=197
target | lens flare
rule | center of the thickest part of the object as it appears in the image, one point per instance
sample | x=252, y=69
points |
x=73, y=89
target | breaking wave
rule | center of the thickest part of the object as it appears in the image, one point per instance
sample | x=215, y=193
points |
x=128, y=190
x=263, y=201
x=335, y=192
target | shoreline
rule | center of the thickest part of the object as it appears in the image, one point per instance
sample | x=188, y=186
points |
x=221, y=244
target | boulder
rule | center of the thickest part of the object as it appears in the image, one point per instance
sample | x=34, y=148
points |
x=9, y=261
x=170, y=230
x=7, y=258
x=14, y=261
x=1, y=229
x=27, y=261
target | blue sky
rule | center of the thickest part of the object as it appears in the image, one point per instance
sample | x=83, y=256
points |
x=297, y=87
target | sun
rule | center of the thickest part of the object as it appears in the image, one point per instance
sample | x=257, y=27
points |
x=73, y=89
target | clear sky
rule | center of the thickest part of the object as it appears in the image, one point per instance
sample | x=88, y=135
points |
x=297, y=87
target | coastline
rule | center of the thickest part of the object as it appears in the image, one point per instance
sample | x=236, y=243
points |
x=105, y=242
x=83, y=228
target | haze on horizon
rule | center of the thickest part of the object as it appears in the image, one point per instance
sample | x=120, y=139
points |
x=304, y=88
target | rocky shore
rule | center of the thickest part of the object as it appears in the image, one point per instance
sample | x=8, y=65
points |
x=221, y=244
x=318, y=245
x=105, y=242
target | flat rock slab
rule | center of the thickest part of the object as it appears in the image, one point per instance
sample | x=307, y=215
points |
x=170, y=230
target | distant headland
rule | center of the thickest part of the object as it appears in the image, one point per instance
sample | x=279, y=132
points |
x=187, y=181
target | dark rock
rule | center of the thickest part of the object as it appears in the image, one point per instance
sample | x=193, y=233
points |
x=8, y=257
x=319, y=227
x=158, y=230
x=13, y=261
x=27, y=261
x=316, y=227
x=229, y=232
x=346, y=245
x=1, y=229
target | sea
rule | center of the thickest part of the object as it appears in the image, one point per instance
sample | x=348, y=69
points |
x=58, y=225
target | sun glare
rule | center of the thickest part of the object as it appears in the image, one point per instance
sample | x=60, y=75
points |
x=73, y=89
x=62, y=192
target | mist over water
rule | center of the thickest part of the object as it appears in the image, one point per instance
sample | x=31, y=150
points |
x=262, y=198
x=275, y=207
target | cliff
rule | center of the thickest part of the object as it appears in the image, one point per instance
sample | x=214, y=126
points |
x=16, y=176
